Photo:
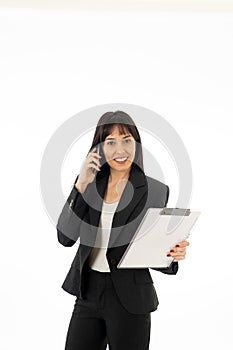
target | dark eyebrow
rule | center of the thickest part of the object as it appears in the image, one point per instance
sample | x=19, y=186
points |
x=112, y=138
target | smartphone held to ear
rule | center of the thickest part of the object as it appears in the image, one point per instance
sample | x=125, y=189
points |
x=94, y=171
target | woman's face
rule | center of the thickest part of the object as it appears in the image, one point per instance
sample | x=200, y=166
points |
x=119, y=150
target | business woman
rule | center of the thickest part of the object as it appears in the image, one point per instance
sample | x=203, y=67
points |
x=108, y=200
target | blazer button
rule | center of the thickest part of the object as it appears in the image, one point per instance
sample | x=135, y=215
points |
x=113, y=261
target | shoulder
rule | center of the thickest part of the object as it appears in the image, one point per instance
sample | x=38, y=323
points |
x=159, y=188
x=154, y=183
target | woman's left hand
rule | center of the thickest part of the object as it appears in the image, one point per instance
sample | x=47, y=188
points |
x=178, y=252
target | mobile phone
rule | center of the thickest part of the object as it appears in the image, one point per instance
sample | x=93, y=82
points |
x=97, y=151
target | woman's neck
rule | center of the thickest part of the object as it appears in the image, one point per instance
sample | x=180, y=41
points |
x=115, y=176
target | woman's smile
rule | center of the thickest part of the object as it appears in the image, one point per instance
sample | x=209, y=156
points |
x=121, y=160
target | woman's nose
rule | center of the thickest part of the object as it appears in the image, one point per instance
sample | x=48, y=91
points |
x=119, y=148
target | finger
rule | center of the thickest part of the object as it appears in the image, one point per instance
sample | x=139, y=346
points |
x=175, y=254
x=183, y=244
x=174, y=249
x=92, y=154
x=93, y=150
x=94, y=160
x=93, y=166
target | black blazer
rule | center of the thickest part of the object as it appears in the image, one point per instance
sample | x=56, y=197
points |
x=80, y=219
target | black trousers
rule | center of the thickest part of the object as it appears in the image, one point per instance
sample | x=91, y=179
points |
x=100, y=319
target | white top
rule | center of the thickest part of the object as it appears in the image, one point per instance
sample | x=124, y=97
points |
x=97, y=259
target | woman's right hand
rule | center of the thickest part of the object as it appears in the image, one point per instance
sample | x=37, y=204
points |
x=87, y=175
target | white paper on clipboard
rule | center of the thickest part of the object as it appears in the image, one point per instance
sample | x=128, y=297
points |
x=159, y=231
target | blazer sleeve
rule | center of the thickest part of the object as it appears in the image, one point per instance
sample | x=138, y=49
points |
x=173, y=268
x=71, y=216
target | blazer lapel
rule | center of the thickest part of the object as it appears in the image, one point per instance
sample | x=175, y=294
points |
x=133, y=193
x=134, y=190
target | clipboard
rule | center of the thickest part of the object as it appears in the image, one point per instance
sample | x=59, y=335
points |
x=159, y=231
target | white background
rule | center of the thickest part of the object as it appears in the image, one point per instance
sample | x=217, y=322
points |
x=55, y=64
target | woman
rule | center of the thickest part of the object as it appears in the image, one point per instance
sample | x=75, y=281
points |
x=109, y=198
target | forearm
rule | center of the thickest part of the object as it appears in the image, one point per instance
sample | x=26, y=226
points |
x=71, y=217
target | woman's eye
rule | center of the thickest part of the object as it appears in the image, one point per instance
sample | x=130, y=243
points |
x=111, y=143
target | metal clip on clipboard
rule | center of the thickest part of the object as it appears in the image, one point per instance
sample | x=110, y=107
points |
x=175, y=211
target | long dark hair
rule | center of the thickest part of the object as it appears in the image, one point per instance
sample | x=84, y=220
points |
x=125, y=124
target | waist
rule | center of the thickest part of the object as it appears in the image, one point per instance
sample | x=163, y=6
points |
x=96, y=277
